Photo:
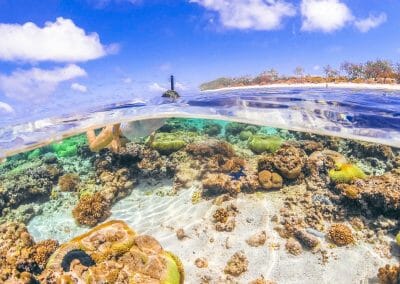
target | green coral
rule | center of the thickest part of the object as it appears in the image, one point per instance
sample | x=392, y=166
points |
x=175, y=272
x=167, y=143
x=68, y=147
x=261, y=143
x=245, y=135
x=345, y=173
x=398, y=239
x=34, y=154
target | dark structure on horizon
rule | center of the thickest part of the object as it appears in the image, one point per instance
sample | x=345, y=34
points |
x=171, y=93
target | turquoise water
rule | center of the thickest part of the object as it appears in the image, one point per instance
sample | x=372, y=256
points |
x=306, y=191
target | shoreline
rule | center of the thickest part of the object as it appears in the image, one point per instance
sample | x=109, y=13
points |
x=358, y=86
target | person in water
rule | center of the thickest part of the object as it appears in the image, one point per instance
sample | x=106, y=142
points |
x=111, y=136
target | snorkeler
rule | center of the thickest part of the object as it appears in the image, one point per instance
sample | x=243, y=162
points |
x=112, y=135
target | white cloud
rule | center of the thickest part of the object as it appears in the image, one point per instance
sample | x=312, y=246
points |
x=37, y=83
x=364, y=25
x=78, y=87
x=316, y=67
x=127, y=80
x=155, y=87
x=250, y=14
x=6, y=108
x=180, y=86
x=324, y=15
x=61, y=41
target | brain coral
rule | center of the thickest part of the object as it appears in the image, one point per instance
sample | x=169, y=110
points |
x=340, y=235
x=120, y=256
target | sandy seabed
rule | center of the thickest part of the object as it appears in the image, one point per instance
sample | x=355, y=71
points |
x=150, y=210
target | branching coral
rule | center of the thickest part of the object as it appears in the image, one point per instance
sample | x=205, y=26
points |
x=91, y=209
x=69, y=182
x=340, y=235
x=345, y=173
x=389, y=274
x=20, y=257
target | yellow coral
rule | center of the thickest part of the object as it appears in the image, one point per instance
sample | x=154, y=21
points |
x=345, y=173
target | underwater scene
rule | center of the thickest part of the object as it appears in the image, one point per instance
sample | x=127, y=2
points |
x=185, y=200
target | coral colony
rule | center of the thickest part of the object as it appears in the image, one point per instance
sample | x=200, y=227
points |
x=328, y=195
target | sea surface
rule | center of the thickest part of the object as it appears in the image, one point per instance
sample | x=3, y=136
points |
x=369, y=115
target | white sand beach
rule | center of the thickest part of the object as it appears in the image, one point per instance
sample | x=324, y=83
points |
x=358, y=86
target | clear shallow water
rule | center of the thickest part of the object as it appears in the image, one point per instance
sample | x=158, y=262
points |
x=369, y=115
x=235, y=202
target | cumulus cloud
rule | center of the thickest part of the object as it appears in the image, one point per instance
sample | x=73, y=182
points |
x=78, y=87
x=155, y=87
x=5, y=108
x=60, y=41
x=364, y=25
x=37, y=83
x=324, y=15
x=180, y=86
x=250, y=14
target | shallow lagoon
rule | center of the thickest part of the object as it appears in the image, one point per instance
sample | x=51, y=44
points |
x=234, y=202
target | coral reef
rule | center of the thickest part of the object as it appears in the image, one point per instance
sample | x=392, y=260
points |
x=167, y=143
x=340, y=235
x=270, y=180
x=257, y=240
x=20, y=257
x=69, y=182
x=288, y=161
x=201, y=262
x=293, y=247
x=212, y=129
x=91, y=209
x=215, y=184
x=260, y=143
x=389, y=274
x=224, y=218
x=210, y=148
x=381, y=194
x=308, y=240
x=68, y=147
x=26, y=183
x=237, y=264
x=345, y=173
x=118, y=255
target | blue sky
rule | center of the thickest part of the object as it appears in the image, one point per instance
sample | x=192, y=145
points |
x=64, y=53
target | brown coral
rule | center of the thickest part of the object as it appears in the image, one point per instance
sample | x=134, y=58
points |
x=69, y=182
x=20, y=257
x=288, y=161
x=270, y=180
x=308, y=240
x=293, y=247
x=91, y=209
x=237, y=264
x=42, y=251
x=120, y=256
x=224, y=218
x=389, y=274
x=209, y=148
x=340, y=235
x=215, y=184
x=257, y=240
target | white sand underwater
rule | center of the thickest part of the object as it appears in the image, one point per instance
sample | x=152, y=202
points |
x=160, y=216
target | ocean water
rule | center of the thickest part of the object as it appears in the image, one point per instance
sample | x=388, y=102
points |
x=244, y=186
